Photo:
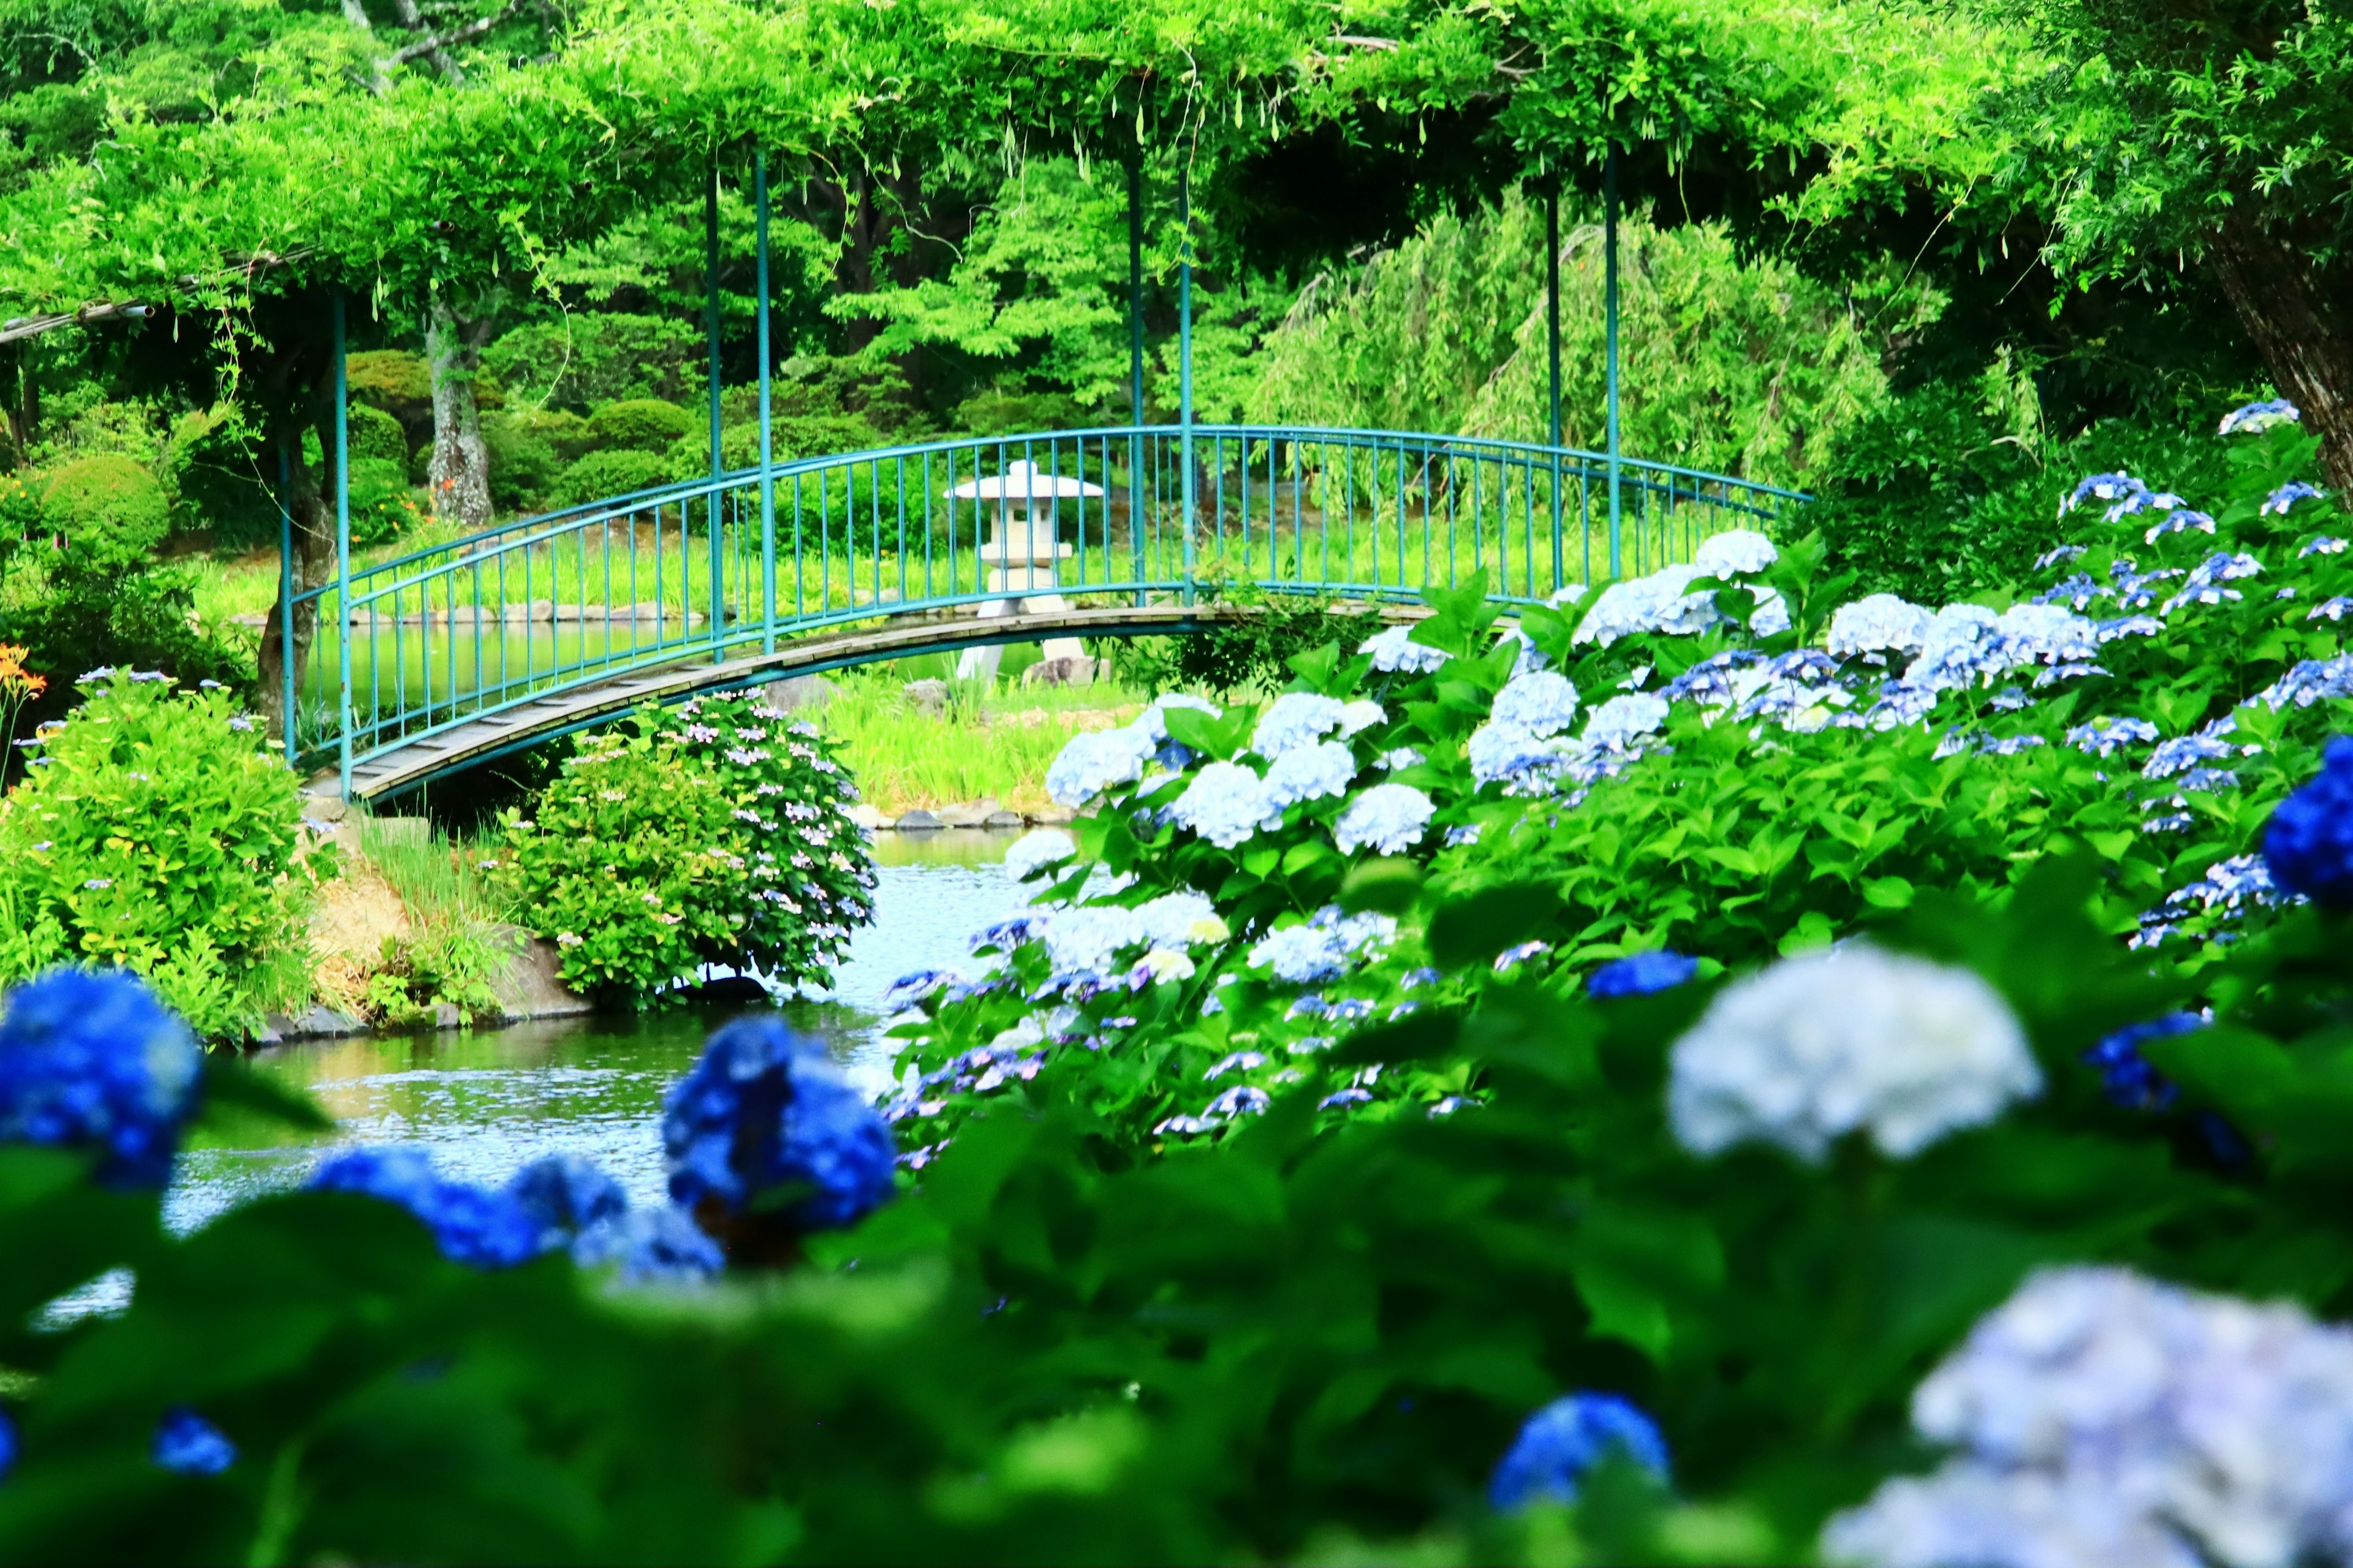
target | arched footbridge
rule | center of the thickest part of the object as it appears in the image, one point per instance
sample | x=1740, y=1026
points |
x=439, y=659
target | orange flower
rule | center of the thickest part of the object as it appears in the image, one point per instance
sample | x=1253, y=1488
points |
x=17, y=683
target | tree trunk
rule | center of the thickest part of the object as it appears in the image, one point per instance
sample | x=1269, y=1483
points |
x=2297, y=328
x=460, y=472
x=310, y=502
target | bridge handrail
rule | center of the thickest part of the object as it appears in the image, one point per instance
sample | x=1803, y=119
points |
x=499, y=538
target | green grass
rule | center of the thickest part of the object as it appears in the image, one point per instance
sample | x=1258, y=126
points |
x=996, y=739
x=454, y=947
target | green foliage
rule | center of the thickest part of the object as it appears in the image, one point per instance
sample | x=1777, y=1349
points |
x=1251, y=655
x=714, y=833
x=111, y=513
x=383, y=504
x=527, y=452
x=393, y=382
x=159, y=834
x=376, y=435
x=641, y=425
x=613, y=473
x=590, y=358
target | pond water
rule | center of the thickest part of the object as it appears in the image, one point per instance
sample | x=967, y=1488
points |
x=486, y=1102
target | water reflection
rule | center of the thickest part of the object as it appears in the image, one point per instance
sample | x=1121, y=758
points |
x=488, y=1101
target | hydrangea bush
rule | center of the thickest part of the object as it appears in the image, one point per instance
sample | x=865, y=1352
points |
x=1932, y=1153
x=716, y=832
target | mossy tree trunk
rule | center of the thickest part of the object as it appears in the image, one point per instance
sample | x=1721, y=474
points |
x=459, y=470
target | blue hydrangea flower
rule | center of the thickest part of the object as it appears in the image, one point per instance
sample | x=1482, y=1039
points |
x=1621, y=721
x=765, y=1108
x=2104, y=736
x=1875, y=625
x=2321, y=544
x=1309, y=772
x=655, y=1245
x=1542, y=703
x=1295, y=718
x=188, y=1445
x=1302, y=954
x=1639, y=974
x=92, y=1060
x=1389, y=818
x=2119, y=487
x=470, y=1225
x=1096, y=760
x=918, y=986
x=1562, y=1443
x=2276, y=504
x=2309, y=842
x=2249, y=418
x=1393, y=651
x=1508, y=754
x=2125, y=1076
x=566, y=1195
x=7, y=1444
x=1225, y=803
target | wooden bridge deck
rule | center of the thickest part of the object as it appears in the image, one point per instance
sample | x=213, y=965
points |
x=405, y=765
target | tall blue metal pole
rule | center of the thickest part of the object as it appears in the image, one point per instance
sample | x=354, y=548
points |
x=1185, y=357
x=1135, y=364
x=768, y=464
x=286, y=675
x=710, y=315
x=343, y=549
x=1552, y=345
x=1609, y=313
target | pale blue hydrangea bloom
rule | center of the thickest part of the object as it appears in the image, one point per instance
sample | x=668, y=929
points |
x=1505, y=752
x=1225, y=803
x=2276, y=504
x=1360, y=715
x=1242, y=1099
x=1295, y=718
x=1094, y=761
x=1321, y=949
x=1389, y=818
x=2047, y=633
x=2251, y=417
x=1542, y=703
x=2126, y=492
x=1657, y=602
x=1402, y=757
x=1531, y=657
x=1740, y=551
x=1086, y=939
x=1171, y=919
x=2103, y=737
x=1309, y=772
x=1567, y=595
x=1461, y=835
x=1875, y=627
x=2322, y=544
x=2311, y=681
x=1237, y=1061
x=1394, y=652
x=2130, y=627
x=1963, y=643
x=1153, y=721
x=2335, y=609
x=1037, y=849
x=1621, y=721
x=1770, y=618
x=2183, y=521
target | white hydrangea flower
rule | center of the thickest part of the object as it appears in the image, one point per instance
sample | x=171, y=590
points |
x=1309, y=772
x=1360, y=715
x=1821, y=1045
x=1153, y=721
x=1225, y=803
x=1390, y=818
x=1037, y=849
x=1094, y=761
x=1295, y=718
x=2197, y=1428
x=1542, y=703
x=1739, y=552
x=1393, y=651
x=1622, y=720
x=2048, y=634
x=1876, y=625
x=1653, y=604
x=1177, y=919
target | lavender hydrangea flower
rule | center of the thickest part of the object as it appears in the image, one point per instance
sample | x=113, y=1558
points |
x=1094, y=761
x=1295, y=718
x=1639, y=974
x=1542, y=703
x=1309, y=772
x=471, y=1225
x=1876, y=625
x=2252, y=417
x=1561, y=1444
x=1821, y=1044
x=1225, y=803
x=188, y=1445
x=1037, y=849
x=1735, y=553
x=1394, y=652
x=764, y=1108
x=2308, y=843
x=1389, y=818
x=92, y=1060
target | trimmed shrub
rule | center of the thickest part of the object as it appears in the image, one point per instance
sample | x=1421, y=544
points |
x=157, y=831
x=641, y=424
x=383, y=504
x=110, y=511
x=602, y=474
x=715, y=834
x=392, y=381
x=378, y=434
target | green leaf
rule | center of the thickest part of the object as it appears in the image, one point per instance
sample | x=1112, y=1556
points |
x=1475, y=929
x=1387, y=885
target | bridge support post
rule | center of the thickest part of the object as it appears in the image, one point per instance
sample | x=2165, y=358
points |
x=1609, y=346
x=1552, y=346
x=1135, y=364
x=767, y=453
x=1184, y=359
x=710, y=312
x=344, y=714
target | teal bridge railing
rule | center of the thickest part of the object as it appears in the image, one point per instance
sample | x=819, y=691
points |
x=720, y=569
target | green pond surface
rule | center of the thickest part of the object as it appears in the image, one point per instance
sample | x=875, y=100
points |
x=488, y=1100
